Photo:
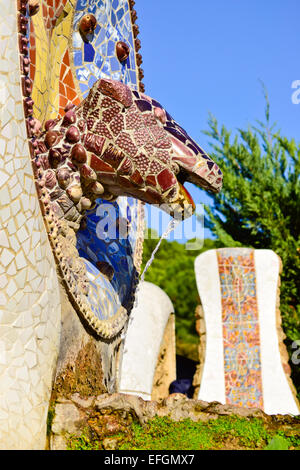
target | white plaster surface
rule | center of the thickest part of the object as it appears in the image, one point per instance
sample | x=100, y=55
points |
x=212, y=386
x=29, y=295
x=277, y=395
x=144, y=335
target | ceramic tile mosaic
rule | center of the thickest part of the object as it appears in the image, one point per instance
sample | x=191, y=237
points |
x=97, y=58
x=67, y=90
x=117, y=252
x=36, y=75
x=29, y=301
x=93, y=60
x=242, y=366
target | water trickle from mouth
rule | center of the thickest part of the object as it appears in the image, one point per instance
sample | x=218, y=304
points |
x=170, y=227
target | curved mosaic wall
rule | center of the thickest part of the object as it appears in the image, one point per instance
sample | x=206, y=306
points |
x=63, y=66
x=116, y=141
x=29, y=299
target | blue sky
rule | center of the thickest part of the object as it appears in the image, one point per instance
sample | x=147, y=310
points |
x=204, y=56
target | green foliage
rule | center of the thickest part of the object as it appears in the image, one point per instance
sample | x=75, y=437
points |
x=259, y=205
x=82, y=442
x=225, y=432
x=278, y=443
x=173, y=271
x=50, y=417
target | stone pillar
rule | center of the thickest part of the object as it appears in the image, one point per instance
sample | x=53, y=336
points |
x=200, y=329
x=87, y=364
x=165, y=371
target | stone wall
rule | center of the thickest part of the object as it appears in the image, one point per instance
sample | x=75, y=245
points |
x=165, y=371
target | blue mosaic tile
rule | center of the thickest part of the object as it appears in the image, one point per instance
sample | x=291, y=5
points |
x=96, y=54
x=89, y=52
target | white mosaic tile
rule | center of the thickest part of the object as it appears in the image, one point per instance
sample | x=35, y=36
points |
x=26, y=260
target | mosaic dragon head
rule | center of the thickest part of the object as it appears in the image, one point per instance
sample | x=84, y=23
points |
x=119, y=142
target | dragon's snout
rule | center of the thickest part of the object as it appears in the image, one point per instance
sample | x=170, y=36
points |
x=166, y=157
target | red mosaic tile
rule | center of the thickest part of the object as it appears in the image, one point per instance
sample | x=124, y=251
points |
x=67, y=91
x=32, y=51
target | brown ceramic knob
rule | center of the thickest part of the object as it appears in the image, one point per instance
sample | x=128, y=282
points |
x=50, y=179
x=22, y=6
x=81, y=125
x=63, y=177
x=137, y=44
x=135, y=30
x=34, y=6
x=87, y=173
x=25, y=62
x=55, y=158
x=122, y=51
x=78, y=154
x=73, y=135
x=141, y=74
x=139, y=59
x=50, y=123
x=74, y=193
x=87, y=24
x=133, y=16
x=28, y=107
x=51, y=138
x=85, y=203
x=69, y=118
x=23, y=22
x=69, y=106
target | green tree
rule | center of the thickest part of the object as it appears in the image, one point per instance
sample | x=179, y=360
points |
x=259, y=205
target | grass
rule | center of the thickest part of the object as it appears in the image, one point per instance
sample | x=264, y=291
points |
x=83, y=443
x=165, y=434
x=225, y=432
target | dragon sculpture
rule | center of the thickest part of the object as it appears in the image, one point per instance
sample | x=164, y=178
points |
x=117, y=142
x=106, y=139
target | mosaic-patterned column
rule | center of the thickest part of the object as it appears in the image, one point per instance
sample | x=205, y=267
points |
x=240, y=324
x=29, y=299
x=243, y=366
